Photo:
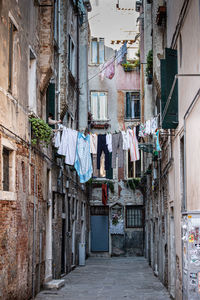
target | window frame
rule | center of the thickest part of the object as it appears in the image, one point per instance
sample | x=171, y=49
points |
x=98, y=60
x=134, y=165
x=126, y=112
x=10, y=194
x=135, y=207
x=11, y=38
x=71, y=56
x=106, y=108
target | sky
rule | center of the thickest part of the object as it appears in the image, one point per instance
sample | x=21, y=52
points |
x=110, y=23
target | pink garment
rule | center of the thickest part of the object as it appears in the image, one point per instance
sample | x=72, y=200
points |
x=133, y=144
x=108, y=69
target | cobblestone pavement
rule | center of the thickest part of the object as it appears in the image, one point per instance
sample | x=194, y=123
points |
x=110, y=279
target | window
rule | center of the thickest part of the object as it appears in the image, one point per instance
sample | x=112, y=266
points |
x=50, y=102
x=99, y=106
x=97, y=51
x=132, y=105
x=6, y=172
x=12, y=30
x=134, y=216
x=134, y=168
x=32, y=81
x=71, y=56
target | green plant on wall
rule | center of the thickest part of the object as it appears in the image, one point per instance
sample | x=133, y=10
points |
x=149, y=68
x=41, y=132
x=133, y=183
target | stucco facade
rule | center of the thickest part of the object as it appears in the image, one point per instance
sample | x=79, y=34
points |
x=43, y=207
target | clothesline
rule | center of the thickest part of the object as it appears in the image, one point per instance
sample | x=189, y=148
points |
x=80, y=149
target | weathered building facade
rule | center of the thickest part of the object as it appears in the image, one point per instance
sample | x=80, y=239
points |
x=124, y=200
x=42, y=205
x=172, y=210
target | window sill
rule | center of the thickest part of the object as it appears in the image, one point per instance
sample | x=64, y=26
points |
x=93, y=65
x=132, y=119
x=8, y=196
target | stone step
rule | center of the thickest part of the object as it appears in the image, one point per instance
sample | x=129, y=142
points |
x=54, y=284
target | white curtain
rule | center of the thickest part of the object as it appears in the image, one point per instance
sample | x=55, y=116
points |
x=94, y=105
x=102, y=106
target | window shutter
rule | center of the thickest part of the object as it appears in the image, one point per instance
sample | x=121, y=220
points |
x=169, y=69
x=128, y=105
x=50, y=100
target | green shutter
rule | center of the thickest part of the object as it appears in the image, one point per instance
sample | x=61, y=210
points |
x=128, y=105
x=169, y=69
x=50, y=100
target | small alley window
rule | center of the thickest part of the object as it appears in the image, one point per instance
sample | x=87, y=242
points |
x=134, y=168
x=97, y=51
x=71, y=55
x=12, y=30
x=32, y=81
x=132, y=105
x=134, y=216
x=6, y=172
x=99, y=106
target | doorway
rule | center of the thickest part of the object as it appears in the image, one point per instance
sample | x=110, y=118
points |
x=99, y=228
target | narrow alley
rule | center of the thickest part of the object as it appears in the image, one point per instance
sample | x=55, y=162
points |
x=99, y=149
x=110, y=279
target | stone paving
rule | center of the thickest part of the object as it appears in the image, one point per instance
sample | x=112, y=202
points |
x=110, y=279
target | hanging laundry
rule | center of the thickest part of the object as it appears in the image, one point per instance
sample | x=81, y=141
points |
x=133, y=143
x=83, y=161
x=121, y=53
x=104, y=194
x=109, y=172
x=101, y=146
x=154, y=125
x=93, y=143
x=68, y=145
x=117, y=148
x=62, y=147
x=57, y=140
x=148, y=127
x=109, y=141
x=94, y=165
x=107, y=69
x=142, y=131
x=157, y=141
x=125, y=140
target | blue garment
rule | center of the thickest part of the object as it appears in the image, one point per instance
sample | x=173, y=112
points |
x=83, y=161
x=121, y=53
x=157, y=141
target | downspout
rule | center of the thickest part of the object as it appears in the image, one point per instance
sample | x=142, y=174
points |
x=58, y=60
x=34, y=218
x=77, y=86
x=34, y=238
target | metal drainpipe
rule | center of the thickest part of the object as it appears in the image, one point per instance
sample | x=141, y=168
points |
x=77, y=90
x=58, y=59
x=34, y=219
x=34, y=232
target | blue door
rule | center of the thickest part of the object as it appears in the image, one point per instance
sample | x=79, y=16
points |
x=99, y=233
